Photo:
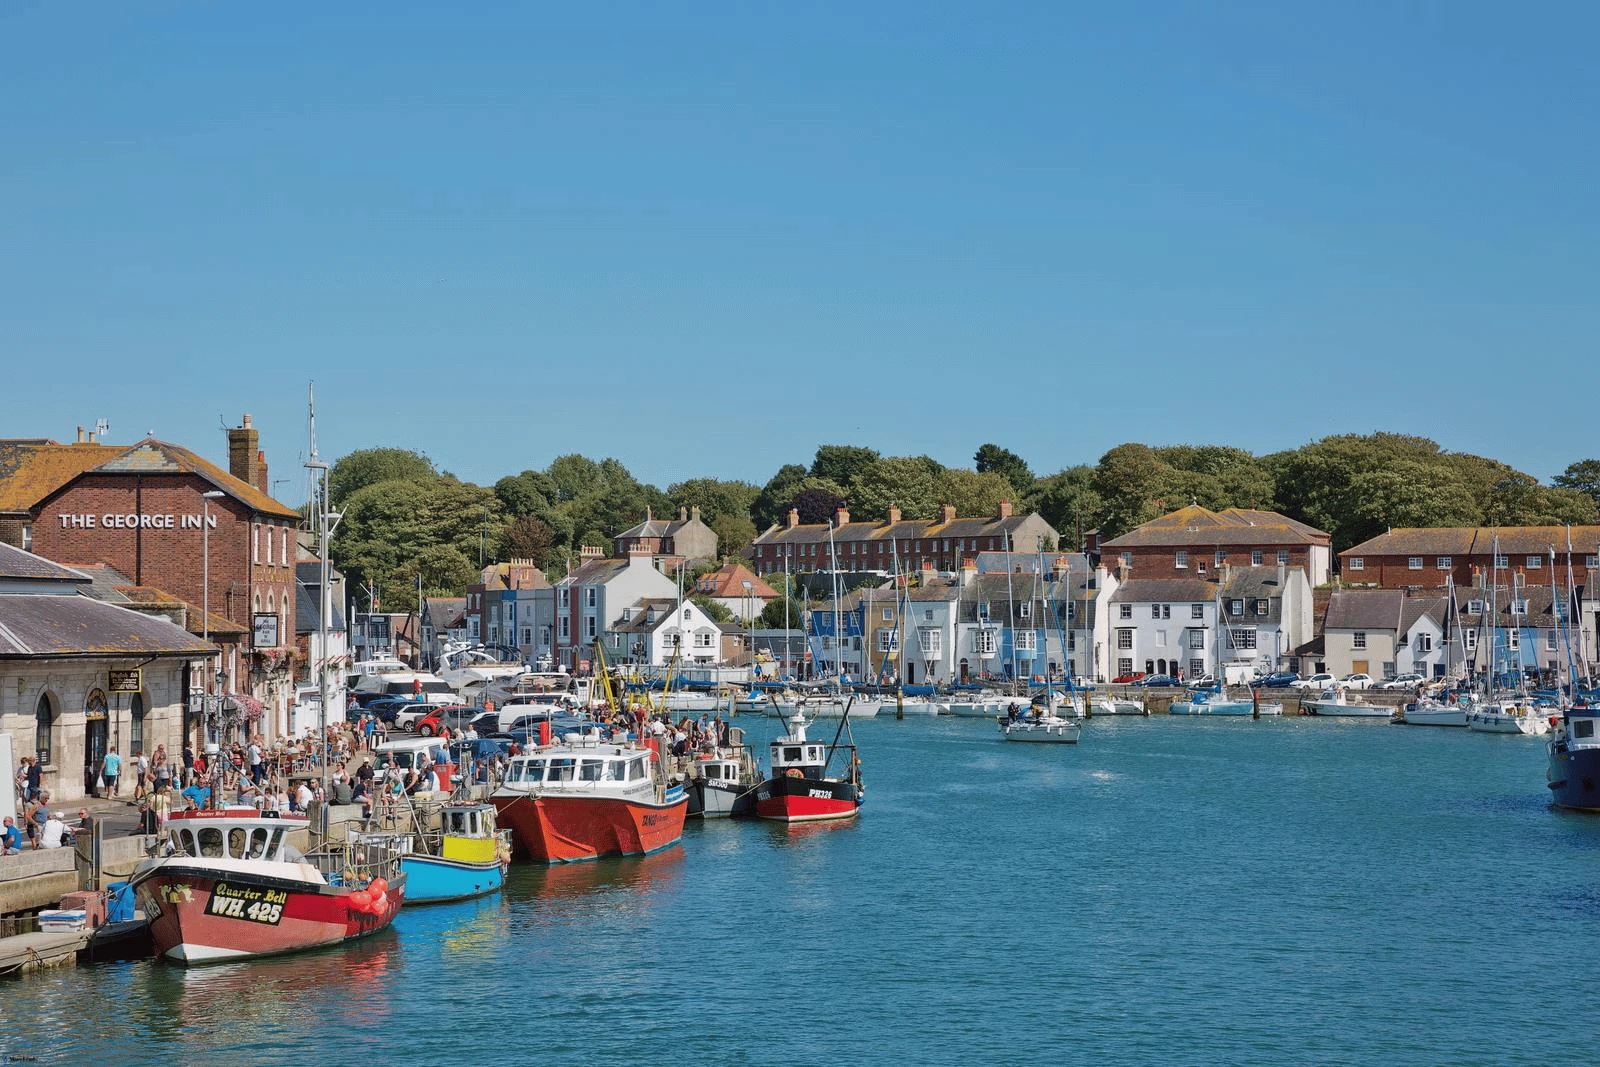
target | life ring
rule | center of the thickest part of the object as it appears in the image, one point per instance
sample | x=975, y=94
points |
x=794, y=772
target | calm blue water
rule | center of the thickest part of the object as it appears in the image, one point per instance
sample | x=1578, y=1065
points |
x=1294, y=891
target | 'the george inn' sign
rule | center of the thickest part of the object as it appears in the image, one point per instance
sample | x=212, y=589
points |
x=136, y=521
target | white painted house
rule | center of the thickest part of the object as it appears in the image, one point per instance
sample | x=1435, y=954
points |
x=656, y=631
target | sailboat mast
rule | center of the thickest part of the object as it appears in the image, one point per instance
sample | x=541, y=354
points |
x=1011, y=611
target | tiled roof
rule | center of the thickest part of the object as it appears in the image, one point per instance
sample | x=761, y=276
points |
x=17, y=564
x=30, y=471
x=1164, y=590
x=194, y=616
x=1477, y=540
x=47, y=625
x=1415, y=607
x=1364, y=609
x=1195, y=525
x=446, y=612
x=1540, y=598
x=595, y=572
x=817, y=533
x=728, y=581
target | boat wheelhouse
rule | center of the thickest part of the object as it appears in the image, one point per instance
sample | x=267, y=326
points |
x=465, y=858
x=233, y=886
x=1573, y=774
x=585, y=799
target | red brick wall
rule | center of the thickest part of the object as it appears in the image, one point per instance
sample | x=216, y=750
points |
x=171, y=559
x=1394, y=572
x=1162, y=562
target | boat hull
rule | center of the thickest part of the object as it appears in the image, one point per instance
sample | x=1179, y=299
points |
x=791, y=799
x=1573, y=777
x=1225, y=707
x=435, y=880
x=1434, y=715
x=822, y=709
x=1495, y=721
x=253, y=915
x=721, y=800
x=1328, y=709
x=1060, y=733
x=552, y=828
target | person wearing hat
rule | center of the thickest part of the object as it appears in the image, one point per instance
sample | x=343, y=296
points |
x=55, y=833
x=147, y=819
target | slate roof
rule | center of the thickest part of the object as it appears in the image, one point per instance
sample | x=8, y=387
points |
x=1477, y=540
x=1164, y=590
x=595, y=572
x=25, y=566
x=817, y=533
x=1364, y=609
x=31, y=471
x=1541, y=602
x=446, y=612
x=1415, y=607
x=1195, y=525
x=50, y=625
x=105, y=581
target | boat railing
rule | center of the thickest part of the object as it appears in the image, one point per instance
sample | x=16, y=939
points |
x=357, y=861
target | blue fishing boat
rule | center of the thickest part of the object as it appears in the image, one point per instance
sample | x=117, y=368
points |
x=1573, y=775
x=465, y=858
x=1216, y=702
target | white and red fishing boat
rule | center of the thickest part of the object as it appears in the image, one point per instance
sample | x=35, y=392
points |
x=799, y=788
x=584, y=799
x=232, y=887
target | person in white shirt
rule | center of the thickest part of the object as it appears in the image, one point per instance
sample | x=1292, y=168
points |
x=55, y=832
x=303, y=796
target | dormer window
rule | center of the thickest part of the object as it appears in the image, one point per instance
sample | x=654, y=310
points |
x=1475, y=607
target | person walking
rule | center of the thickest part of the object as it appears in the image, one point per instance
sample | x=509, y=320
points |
x=110, y=770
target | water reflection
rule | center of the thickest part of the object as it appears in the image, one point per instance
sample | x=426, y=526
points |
x=782, y=834
x=637, y=878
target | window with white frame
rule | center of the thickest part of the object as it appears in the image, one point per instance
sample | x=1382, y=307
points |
x=527, y=635
x=1124, y=639
x=1263, y=606
x=983, y=642
x=1124, y=665
x=1236, y=607
x=284, y=555
x=1443, y=563
x=1424, y=643
x=1155, y=611
x=1124, y=611
x=1197, y=611
x=1592, y=562
x=590, y=596
x=1501, y=562
x=1469, y=640
x=1243, y=638
x=1476, y=606
x=702, y=638
x=1025, y=610
x=1220, y=557
x=1519, y=606
x=566, y=627
x=1358, y=640
x=1414, y=562
x=1197, y=637
x=1127, y=557
x=1181, y=560
x=1024, y=640
x=1535, y=561
x=1549, y=640
x=930, y=641
x=566, y=598
x=255, y=544
x=1283, y=557
x=1358, y=563
x=1256, y=558
x=888, y=640
x=1166, y=611
x=1197, y=667
x=888, y=614
x=1514, y=639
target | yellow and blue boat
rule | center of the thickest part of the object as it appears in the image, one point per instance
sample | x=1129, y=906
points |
x=466, y=858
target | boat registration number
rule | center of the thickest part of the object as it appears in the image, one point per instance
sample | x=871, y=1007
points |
x=820, y=794
x=242, y=902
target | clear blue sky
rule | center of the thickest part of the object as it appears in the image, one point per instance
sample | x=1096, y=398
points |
x=706, y=239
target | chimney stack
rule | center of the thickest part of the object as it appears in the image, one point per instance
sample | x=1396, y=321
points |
x=947, y=513
x=694, y=512
x=244, y=450
x=894, y=514
x=1005, y=509
x=683, y=514
x=262, y=483
x=80, y=436
x=794, y=517
x=841, y=517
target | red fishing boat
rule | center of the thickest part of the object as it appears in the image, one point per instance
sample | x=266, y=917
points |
x=799, y=789
x=232, y=887
x=584, y=799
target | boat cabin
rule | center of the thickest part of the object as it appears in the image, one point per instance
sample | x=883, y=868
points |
x=234, y=833
x=467, y=820
x=718, y=770
x=580, y=769
x=1583, y=726
x=801, y=755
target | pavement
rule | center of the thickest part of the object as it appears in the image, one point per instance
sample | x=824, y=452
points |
x=120, y=814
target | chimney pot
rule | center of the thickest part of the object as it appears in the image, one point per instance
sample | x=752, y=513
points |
x=948, y=511
x=246, y=423
x=80, y=435
x=1005, y=509
x=794, y=517
x=841, y=517
x=694, y=512
x=894, y=514
x=683, y=514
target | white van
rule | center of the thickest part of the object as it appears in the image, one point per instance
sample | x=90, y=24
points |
x=407, y=753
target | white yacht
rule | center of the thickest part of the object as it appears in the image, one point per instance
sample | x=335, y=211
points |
x=1508, y=717
x=1336, y=703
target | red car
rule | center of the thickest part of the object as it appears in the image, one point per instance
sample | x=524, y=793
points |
x=450, y=717
x=1123, y=679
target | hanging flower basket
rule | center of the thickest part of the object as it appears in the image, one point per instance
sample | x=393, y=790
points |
x=274, y=659
x=243, y=707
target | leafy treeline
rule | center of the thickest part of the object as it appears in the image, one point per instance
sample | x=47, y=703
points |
x=404, y=517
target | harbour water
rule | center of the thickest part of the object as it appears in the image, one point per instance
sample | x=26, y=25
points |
x=1281, y=891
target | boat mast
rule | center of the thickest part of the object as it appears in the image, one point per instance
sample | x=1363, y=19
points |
x=326, y=522
x=838, y=630
x=1011, y=613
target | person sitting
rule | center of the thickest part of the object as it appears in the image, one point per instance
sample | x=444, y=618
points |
x=342, y=793
x=55, y=833
x=147, y=819
x=10, y=838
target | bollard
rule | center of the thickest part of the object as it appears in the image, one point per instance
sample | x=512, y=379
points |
x=900, y=702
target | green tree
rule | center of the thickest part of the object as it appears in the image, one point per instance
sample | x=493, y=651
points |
x=714, y=497
x=1409, y=492
x=388, y=525
x=973, y=495
x=772, y=503
x=369, y=466
x=444, y=570
x=1581, y=477
x=719, y=612
x=904, y=481
x=1068, y=501
x=1012, y=467
x=528, y=493
x=734, y=534
x=1130, y=480
x=841, y=464
x=575, y=476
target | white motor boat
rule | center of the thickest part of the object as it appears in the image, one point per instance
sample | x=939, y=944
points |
x=1508, y=717
x=979, y=705
x=821, y=707
x=1102, y=705
x=1045, y=729
x=908, y=707
x=1336, y=704
x=1431, y=712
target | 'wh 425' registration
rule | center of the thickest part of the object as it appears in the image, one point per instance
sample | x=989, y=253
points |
x=245, y=902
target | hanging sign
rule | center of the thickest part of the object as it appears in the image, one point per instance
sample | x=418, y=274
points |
x=266, y=631
x=125, y=681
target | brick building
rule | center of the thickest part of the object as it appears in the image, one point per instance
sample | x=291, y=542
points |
x=1411, y=558
x=909, y=544
x=1195, y=542
x=143, y=510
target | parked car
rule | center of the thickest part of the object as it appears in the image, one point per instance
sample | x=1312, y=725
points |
x=386, y=708
x=1205, y=681
x=1356, y=681
x=1401, y=681
x=1153, y=681
x=452, y=718
x=1318, y=682
x=407, y=717
x=1124, y=679
x=1276, y=680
